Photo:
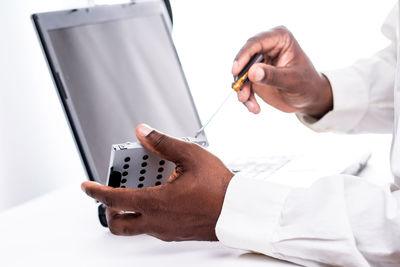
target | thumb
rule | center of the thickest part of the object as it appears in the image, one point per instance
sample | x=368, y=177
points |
x=167, y=147
x=263, y=74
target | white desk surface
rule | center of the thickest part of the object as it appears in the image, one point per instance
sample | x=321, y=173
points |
x=62, y=229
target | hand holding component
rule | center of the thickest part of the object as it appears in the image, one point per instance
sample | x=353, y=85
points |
x=186, y=208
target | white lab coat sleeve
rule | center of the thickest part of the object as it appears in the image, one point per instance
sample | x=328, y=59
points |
x=363, y=93
x=340, y=220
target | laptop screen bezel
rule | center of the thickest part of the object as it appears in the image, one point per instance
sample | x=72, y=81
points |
x=45, y=22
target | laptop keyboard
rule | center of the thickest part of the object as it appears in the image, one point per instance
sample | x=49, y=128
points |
x=259, y=168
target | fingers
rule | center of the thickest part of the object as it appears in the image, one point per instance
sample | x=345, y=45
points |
x=120, y=198
x=269, y=43
x=252, y=46
x=246, y=96
x=167, y=147
x=282, y=78
x=126, y=224
x=252, y=104
x=244, y=93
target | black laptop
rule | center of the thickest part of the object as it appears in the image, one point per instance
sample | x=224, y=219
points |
x=114, y=67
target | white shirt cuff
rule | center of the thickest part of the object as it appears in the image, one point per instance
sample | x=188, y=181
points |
x=250, y=214
x=350, y=103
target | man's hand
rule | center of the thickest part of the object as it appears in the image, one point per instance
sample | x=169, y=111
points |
x=186, y=208
x=286, y=80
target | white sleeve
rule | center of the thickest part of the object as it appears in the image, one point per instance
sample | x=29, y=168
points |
x=340, y=220
x=363, y=93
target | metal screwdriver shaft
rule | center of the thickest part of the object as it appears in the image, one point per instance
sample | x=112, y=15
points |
x=240, y=80
x=213, y=115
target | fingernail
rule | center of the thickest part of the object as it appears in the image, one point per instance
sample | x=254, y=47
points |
x=83, y=187
x=258, y=74
x=249, y=105
x=235, y=66
x=144, y=130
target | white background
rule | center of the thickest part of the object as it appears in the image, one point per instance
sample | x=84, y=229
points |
x=37, y=151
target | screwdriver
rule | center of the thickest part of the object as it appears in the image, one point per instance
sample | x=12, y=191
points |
x=243, y=77
x=239, y=80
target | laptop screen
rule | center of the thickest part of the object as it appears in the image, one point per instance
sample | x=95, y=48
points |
x=118, y=74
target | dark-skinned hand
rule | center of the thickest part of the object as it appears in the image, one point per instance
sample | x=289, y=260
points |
x=286, y=79
x=187, y=207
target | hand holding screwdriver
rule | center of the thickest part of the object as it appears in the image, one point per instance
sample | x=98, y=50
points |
x=286, y=79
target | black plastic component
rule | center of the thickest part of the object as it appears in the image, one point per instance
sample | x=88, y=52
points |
x=102, y=215
x=115, y=179
x=60, y=85
x=247, y=67
x=169, y=9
